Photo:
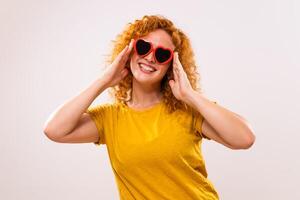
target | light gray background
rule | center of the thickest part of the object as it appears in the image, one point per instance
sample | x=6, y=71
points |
x=248, y=53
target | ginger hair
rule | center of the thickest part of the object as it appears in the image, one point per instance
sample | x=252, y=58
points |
x=141, y=27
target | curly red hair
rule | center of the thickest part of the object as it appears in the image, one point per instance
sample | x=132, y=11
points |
x=141, y=27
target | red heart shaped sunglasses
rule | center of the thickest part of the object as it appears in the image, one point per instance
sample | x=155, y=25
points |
x=162, y=55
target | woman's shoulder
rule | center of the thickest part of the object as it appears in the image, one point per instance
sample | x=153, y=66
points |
x=106, y=106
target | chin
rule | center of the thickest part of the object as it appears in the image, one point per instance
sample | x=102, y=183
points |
x=144, y=80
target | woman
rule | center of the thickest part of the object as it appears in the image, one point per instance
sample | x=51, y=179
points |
x=154, y=129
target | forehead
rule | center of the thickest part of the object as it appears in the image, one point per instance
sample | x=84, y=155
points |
x=159, y=37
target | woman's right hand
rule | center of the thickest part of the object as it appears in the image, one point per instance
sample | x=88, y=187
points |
x=117, y=70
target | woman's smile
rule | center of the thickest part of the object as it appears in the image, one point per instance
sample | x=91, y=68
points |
x=146, y=68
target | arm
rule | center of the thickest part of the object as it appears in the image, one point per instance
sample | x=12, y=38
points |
x=219, y=124
x=69, y=123
x=71, y=116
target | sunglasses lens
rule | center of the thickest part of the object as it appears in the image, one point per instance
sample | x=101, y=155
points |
x=142, y=47
x=162, y=55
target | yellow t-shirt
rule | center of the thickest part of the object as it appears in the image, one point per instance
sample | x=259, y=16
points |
x=154, y=155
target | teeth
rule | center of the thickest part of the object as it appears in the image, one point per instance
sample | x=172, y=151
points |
x=147, y=68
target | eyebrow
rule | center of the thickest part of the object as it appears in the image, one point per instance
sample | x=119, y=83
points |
x=160, y=44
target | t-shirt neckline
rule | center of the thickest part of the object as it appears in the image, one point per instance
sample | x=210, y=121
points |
x=145, y=110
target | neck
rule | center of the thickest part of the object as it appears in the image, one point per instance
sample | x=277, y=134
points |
x=144, y=95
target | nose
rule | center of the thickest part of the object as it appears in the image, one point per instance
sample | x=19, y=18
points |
x=150, y=57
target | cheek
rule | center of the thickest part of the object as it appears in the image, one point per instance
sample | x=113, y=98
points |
x=133, y=61
x=165, y=68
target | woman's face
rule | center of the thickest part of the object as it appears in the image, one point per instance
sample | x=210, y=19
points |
x=138, y=64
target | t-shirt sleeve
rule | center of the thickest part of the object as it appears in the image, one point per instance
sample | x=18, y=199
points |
x=198, y=124
x=98, y=114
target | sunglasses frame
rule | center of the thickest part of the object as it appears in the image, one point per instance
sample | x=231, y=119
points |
x=152, y=49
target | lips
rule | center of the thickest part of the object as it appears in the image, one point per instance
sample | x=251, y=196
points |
x=148, y=69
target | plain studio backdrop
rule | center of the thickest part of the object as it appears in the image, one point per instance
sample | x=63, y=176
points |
x=248, y=57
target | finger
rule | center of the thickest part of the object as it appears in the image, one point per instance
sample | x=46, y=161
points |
x=175, y=64
x=179, y=67
x=128, y=51
x=120, y=55
x=131, y=45
x=123, y=50
x=175, y=72
x=124, y=72
x=177, y=61
x=171, y=83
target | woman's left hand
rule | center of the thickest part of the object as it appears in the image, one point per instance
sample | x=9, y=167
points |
x=180, y=86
